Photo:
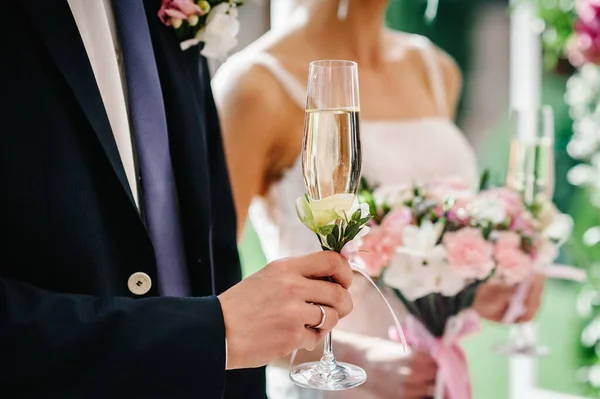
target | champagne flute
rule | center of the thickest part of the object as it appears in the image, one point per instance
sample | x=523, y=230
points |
x=331, y=163
x=531, y=173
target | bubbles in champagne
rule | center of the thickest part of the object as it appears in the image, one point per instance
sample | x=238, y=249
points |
x=331, y=155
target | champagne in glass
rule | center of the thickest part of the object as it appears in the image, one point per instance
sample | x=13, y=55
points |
x=531, y=173
x=331, y=162
x=331, y=157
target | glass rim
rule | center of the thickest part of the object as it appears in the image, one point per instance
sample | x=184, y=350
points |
x=333, y=63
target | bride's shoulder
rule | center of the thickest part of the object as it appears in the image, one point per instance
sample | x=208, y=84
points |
x=251, y=71
x=417, y=46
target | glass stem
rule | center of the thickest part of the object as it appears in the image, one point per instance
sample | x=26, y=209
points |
x=328, y=362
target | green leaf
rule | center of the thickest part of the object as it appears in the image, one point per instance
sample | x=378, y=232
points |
x=356, y=215
x=331, y=241
x=326, y=230
x=485, y=180
x=335, y=232
x=351, y=231
x=364, y=220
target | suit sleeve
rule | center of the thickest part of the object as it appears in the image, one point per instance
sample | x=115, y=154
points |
x=154, y=347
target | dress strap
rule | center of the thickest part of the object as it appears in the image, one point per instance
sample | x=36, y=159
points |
x=292, y=86
x=434, y=73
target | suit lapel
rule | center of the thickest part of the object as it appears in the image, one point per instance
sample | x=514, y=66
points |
x=58, y=30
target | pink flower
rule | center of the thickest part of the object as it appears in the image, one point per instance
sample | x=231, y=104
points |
x=377, y=249
x=172, y=12
x=395, y=222
x=513, y=265
x=524, y=223
x=584, y=46
x=507, y=240
x=469, y=254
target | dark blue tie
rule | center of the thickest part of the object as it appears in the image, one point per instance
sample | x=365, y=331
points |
x=149, y=127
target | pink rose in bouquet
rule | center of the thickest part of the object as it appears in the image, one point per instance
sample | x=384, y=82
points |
x=377, y=249
x=469, y=254
x=513, y=265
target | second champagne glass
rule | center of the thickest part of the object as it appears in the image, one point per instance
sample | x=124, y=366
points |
x=331, y=163
x=531, y=173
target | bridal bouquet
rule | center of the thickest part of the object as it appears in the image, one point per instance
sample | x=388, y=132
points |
x=435, y=244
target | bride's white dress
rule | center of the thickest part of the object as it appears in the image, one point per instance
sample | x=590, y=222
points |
x=394, y=151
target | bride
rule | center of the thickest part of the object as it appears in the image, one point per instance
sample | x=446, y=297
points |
x=409, y=90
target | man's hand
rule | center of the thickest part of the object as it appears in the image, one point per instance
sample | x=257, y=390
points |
x=267, y=314
x=492, y=299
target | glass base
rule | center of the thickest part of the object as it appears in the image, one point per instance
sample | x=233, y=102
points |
x=511, y=349
x=341, y=376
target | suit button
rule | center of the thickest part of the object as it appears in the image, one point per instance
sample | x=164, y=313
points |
x=139, y=283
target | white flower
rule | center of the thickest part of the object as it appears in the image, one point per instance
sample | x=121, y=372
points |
x=420, y=268
x=220, y=33
x=547, y=252
x=560, y=228
x=319, y=213
x=395, y=196
x=487, y=208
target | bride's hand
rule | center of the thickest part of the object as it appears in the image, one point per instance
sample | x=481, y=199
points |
x=492, y=300
x=392, y=373
x=409, y=377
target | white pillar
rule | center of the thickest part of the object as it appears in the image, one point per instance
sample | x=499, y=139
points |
x=525, y=57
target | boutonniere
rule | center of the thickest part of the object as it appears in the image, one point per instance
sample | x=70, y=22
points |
x=214, y=22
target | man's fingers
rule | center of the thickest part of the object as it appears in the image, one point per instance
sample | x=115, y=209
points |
x=325, y=264
x=325, y=320
x=330, y=294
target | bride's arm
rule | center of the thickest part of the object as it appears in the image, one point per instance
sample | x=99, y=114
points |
x=251, y=116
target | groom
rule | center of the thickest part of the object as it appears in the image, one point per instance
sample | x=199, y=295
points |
x=119, y=249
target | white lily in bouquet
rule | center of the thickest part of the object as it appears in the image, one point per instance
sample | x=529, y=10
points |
x=433, y=245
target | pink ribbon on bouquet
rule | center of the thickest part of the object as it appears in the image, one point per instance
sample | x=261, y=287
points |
x=453, y=374
x=516, y=306
x=348, y=252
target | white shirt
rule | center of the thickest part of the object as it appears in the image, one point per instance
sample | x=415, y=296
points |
x=96, y=24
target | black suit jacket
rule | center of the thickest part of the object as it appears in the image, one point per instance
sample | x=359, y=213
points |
x=72, y=236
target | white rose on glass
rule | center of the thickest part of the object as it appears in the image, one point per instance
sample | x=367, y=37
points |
x=337, y=220
x=220, y=33
x=319, y=213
